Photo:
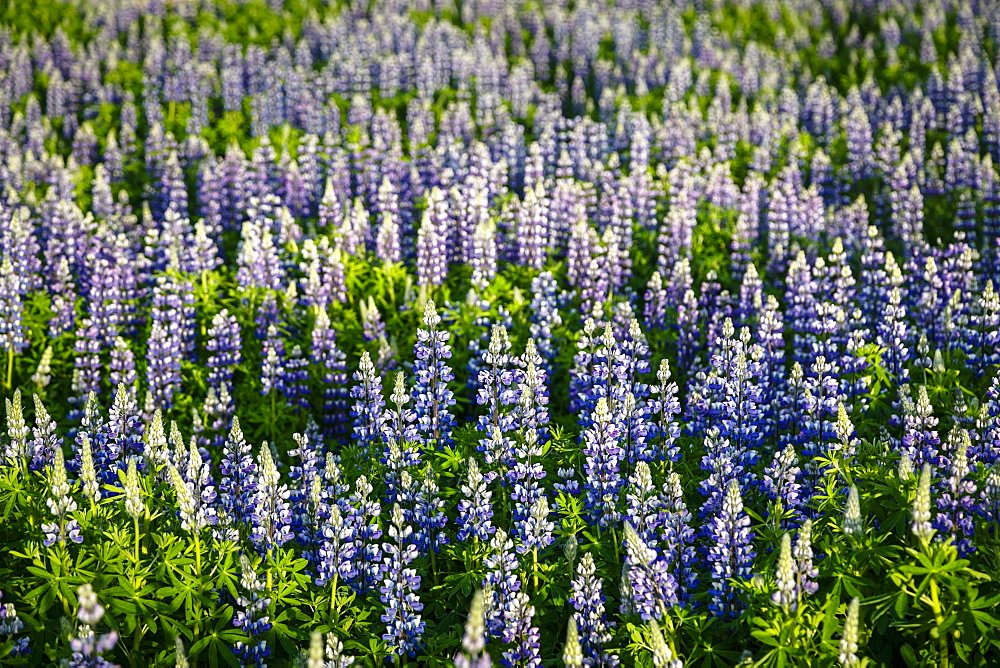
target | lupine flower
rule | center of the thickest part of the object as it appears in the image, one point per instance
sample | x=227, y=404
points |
x=956, y=504
x=251, y=616
x=848, y=656
x=589, y=617
x=365, y=517
x=398, y=592
x=521, y=634
x=43, y=372
x=433, y=398
x=272, y=515
x=368, y=416
x=853, y=524
x=134, y=505
x=501, y=582
x=603, y=459
x=10, y=625
x=44, y=440
x=331, y=365
x=473, y=654
x=334, y=655
x=663, y=657
x=781, y=482
x=921, y=526
x=803, y=553
x=786, y=578
x=61, y=503
x=498, y=383
x=572, y=654
x=678, y=538
x=237, y=485
x=87, y=646
x=730, y=550
x=664, y=409
x=17, y=451
x=88, y=473
x=653, y=589
x=475, y=510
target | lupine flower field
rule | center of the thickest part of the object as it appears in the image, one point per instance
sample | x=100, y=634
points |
x=500, y=333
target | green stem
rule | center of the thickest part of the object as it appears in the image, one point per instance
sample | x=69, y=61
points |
x=197, y=553
x=135, y=524
x=10, y=365
x=942, y=638
x=534, y=568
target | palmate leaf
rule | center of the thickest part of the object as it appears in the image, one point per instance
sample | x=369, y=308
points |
x=216, y=645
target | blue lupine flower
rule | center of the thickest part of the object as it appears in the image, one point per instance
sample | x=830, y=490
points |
x=652, y=588
x=602, y=466
x=87, y=646
x=678, y=538
x=587, y=600
x=956, y=503
x=251, y=616
x=272, y=519
x=433, y=398
x=367, y=412
x=475, y=510
x=238, y=483
x=730, y=551
x=498, y=392
x=399, y=590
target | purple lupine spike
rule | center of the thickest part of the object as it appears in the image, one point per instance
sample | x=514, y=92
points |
x=64, y=296
x=587, y=600
x=87, y=364
x=367, y=412
x=501, y=583
x=982, y=337
x=399, y=434
x=432, y=397
x=484, y=254
x=258, y=260
x=399, y=590
x=338, y=551
x=475, y=510
x=331, y=365
x=678, y=538
x=432, y=240
x=730, y=550
x=272, y=518
x=956, y=503
x=602, y=466
x=365, y=513
x=655, y=298
x=428, y=512
x=545, y=316
x=13, y=333
x=521, y=634
x=309, y=507
x=123, y=366
x=652, y=590
x=498, y=392
x=920, y=436
x=251, y=616
x=294, y=379
x=780, y=483
x=643, y=503
x=237, y=484
x=533, y=228
x=224, y=348
x=44, y=440
x=273, y=363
